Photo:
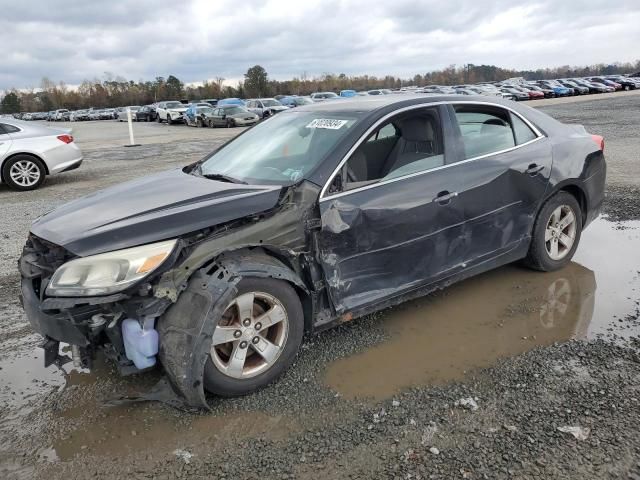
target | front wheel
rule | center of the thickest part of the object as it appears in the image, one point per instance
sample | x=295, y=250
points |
x=256, y=339
x=230, y=123
x=556, y=233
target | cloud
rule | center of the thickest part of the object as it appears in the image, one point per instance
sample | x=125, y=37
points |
x=74, y=40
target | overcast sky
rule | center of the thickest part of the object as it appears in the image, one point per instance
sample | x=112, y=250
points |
x=73, y=40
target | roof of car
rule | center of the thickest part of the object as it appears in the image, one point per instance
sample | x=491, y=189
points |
x=374, y=102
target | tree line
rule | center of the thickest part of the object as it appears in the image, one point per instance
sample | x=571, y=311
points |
x=117, y=91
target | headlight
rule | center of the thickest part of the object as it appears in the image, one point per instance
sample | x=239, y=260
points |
x=108, y=272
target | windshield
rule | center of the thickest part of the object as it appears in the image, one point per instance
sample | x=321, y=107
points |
x=282, y=150
x=271, y=103
x=204, y=109
x=173, y=105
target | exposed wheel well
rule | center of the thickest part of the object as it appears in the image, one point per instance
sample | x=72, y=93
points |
x=580, y=196
x=277, y=267
x=46, y=169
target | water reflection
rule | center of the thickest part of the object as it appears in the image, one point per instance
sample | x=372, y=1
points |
x=470, y=325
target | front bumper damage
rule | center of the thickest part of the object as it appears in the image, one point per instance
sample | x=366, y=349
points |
x=185, y=326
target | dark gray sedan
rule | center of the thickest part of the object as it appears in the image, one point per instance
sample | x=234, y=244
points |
x=317, y=216
x=232, y=116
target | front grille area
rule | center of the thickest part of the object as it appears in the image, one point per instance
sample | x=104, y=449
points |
x=40, y=259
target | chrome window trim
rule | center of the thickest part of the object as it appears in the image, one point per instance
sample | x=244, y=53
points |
x=371, y=129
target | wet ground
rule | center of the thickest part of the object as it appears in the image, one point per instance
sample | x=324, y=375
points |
x=500, y=314
x=374, y=398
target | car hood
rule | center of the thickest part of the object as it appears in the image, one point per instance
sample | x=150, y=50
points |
x=177, y=109
x=150, y=209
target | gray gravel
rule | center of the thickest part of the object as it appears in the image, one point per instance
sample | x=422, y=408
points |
x=57, y=426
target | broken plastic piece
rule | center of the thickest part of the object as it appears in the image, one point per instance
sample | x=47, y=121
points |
x=580, y=433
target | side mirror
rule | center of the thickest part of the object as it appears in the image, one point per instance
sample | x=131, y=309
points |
x=224, y=115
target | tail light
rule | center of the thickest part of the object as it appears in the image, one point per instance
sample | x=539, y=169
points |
x=65, y=138
x=599, y=141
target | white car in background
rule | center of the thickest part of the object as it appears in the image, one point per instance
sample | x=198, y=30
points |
x=61, y=115
x=170, y=112
x=122, y=113
x=29, y=152
x=265, y=107
x=323, y=96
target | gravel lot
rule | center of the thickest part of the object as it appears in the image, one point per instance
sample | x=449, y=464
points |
x=478, y=381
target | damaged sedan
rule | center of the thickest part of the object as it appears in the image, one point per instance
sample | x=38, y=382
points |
x=322, y=214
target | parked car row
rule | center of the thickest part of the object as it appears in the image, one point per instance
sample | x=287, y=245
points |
x=517, y=89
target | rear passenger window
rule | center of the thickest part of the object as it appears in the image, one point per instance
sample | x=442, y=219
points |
x=6, y=128
x=521, y=130
x=484, y=130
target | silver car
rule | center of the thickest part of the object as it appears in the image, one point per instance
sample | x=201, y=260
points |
x=122, y=114
x=29, y=152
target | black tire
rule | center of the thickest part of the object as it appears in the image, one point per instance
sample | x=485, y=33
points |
x=220, y=384
x=230, y=123
x=199, y=123
x=538, y=257
x=169, y=122
x=158, y=119
x=6, y=172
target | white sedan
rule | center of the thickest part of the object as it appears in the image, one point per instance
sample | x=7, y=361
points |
x=29, y=152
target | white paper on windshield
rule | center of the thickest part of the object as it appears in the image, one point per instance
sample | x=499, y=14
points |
x=328, y=123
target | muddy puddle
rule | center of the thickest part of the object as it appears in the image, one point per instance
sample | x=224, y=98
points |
x=502, y=313
x=83, y=424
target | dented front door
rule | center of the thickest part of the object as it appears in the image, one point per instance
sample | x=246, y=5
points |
x=384, y=240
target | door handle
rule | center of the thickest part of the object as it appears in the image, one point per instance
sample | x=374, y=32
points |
x=444, y=197
x=534, y=169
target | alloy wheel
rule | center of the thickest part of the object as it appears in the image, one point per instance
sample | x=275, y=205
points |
x=560, y=233
x=250, y=336
x=25, y=173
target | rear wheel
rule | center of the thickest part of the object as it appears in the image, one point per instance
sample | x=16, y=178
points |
x=556, y=233
x=24, y=172
x=256, y=339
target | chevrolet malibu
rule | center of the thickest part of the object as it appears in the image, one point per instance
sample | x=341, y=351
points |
x=322, y=214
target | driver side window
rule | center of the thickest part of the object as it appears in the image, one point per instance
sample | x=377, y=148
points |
x=408, y=143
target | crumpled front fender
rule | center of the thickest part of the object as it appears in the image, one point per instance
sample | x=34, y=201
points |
x=186, y=331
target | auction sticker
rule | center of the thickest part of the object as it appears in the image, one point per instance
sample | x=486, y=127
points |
x=329, y=123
